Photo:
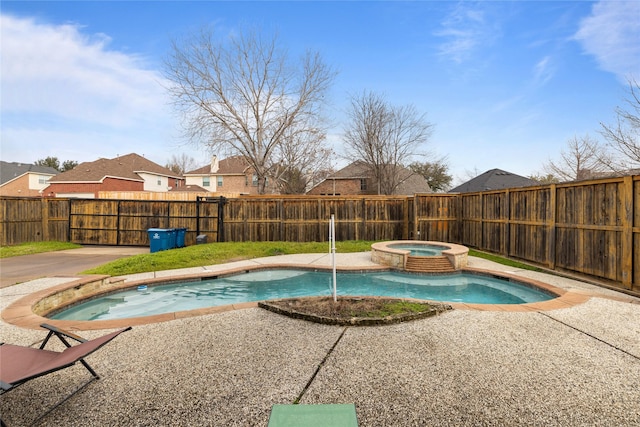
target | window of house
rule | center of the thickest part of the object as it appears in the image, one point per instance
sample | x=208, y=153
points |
x=43, y=179
x=255, y=180
x=159, y=182
x=220, y=181
x=206, y=181
x=363, y=184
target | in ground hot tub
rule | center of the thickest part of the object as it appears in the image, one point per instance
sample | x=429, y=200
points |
x=415, y=255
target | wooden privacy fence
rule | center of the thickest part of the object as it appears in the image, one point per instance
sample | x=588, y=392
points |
x=590, y=227
x=306, y=219
x=105, y=222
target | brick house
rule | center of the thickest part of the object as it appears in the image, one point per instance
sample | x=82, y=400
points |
x=356, y=179
x=230, y=177
x=131, y=172
x=24, y=179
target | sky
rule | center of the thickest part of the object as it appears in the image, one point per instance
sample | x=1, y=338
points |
x=505, y=84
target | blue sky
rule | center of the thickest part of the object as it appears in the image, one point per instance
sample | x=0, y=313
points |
x=505, y=84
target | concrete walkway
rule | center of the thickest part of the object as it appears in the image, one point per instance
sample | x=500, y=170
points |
x=565, y=367
x=61, y=263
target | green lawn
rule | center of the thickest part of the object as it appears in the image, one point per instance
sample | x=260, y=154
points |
x=35, y=248
x=215, y=253
x=502, y=260
x=218, y=253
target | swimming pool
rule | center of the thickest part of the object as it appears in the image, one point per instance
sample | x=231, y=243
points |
x=269, y=284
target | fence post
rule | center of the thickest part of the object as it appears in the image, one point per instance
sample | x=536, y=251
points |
x=198, y=198
x=221, y=202
x=551, y=227
x=45, y=220
x=416, y=224
x=70, y=200
x=483, y=215
x=118, y=214
x=626, y=219
x=507, y=230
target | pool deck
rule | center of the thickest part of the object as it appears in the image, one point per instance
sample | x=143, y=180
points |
x=577, y=363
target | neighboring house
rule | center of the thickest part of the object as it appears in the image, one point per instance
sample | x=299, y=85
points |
x=231, y=176
x=356, y=179
x=131, y=172
x=24, y=179
x=494, y=179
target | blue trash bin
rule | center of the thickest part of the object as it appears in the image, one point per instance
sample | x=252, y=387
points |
x=172, y=238
x=180, y=234
x=159, y=239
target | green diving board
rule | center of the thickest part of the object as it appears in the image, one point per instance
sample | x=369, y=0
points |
x=326, y=415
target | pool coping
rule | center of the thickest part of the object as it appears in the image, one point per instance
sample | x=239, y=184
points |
x=21, y=312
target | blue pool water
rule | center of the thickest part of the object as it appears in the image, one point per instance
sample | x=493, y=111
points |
x=420, y=249
x=284, y=283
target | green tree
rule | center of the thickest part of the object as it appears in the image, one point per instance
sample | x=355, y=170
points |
x=67, y=165
x=548, y=178
x=436, y=173
x=51, y=162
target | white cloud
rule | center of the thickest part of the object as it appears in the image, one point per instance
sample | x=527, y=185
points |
x=59, y=71
x=63, y=91
x=543, y=71
x=612, y=35
x=466, y=29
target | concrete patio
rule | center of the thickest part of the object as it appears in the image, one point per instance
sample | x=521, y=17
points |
x=568, y=366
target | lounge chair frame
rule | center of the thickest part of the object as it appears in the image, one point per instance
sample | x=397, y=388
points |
x=61, y=360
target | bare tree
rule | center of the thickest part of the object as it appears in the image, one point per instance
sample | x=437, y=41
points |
x=302, y=156
x=624, y=136
x=181, y=163
x=243, y=95
x=384, y=137
x=582, y=159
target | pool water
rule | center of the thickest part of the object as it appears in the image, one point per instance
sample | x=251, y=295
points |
x=284, y=283
x=421, y=249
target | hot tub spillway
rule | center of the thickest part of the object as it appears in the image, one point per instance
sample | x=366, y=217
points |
x=432, y=264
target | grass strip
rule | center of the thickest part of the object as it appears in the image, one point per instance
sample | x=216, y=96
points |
x=31, y=248
x=218, y=253
x=504, y=261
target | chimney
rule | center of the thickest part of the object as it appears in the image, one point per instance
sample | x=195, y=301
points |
x=214, y=164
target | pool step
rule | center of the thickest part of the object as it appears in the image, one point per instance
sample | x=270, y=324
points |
x=433, y=264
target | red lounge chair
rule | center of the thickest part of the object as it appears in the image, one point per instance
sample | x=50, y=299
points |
x=20, y=364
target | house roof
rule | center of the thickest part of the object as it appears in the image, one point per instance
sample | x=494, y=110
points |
x=12, y=170
x=235, y=165
x=355, y=170
x=124, y=167
x=410, y=182
x=204, y=170
x=494, y=179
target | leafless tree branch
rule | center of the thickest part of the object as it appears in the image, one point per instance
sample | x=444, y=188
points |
x=244, y=95
x=384, y=137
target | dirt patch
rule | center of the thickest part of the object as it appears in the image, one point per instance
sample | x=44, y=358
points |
x=357, y=311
